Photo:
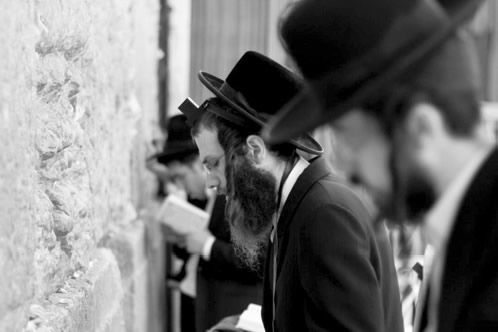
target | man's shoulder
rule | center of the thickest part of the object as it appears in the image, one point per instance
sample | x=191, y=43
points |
x=332, y=194
x=333, y=190
x=331, y=211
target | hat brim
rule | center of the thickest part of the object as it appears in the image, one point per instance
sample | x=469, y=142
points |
x=302, y=142
x=174, y=152
x=302, y=114
x=305, y=113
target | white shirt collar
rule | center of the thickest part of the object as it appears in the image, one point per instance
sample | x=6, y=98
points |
x=289, y=183
x=440, y=219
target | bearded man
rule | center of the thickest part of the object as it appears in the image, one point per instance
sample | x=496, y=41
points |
x=404, y=101
x=327, y=268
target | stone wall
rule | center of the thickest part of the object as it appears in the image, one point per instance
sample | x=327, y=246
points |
x=77, y=104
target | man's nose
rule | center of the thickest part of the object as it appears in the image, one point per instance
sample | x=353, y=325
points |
x=212, y=182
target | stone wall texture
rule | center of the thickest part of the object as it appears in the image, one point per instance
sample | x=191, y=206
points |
x=77, y=104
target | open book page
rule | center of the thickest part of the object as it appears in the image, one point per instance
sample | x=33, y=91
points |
x=250, y=320
x=182, y=216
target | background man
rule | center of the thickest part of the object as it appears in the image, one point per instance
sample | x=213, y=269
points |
x=327, y=269
x=401, y=90
x=224, y=285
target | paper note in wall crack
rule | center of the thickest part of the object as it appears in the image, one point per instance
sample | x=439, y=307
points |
x=182, y=216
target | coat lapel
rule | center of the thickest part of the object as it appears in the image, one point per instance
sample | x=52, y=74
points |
x=317, y=169
x=471, y=235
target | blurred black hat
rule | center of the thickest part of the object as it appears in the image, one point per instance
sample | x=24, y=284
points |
x=178, y=143
x=350, y=51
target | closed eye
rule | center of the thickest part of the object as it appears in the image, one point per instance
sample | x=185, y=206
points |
x=212, y=163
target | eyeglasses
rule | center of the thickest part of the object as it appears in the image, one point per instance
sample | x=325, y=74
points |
x=212, y=164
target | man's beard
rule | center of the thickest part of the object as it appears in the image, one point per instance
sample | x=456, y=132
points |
x=251, y=207
x=412, y=195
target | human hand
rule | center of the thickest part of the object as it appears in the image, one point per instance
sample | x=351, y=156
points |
x=194, y=242
x=171, y=236
x=176, y=189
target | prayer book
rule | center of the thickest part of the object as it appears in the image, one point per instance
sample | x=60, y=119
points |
x=182, y=216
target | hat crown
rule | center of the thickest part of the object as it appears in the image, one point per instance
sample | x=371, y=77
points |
x=261, y=83
x=328, y=35
x=179, y=143
x=178, y=131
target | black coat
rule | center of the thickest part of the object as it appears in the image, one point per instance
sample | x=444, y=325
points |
x=469, y=289
x=225, y=286
x=334, y=272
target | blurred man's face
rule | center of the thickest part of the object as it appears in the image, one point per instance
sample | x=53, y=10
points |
x=189, y=177
x=363, y=154
x=250, y=191
x=390, y=172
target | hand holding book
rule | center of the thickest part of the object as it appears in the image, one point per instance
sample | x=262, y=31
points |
x=181, y=216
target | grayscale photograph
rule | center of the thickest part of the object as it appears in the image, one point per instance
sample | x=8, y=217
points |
x=249, y=166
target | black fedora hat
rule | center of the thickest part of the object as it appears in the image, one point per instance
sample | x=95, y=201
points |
x=350, y=51
x=178, y=143
x=255, y=89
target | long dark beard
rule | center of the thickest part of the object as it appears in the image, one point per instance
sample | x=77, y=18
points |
x=412, y=196
x=251, y=206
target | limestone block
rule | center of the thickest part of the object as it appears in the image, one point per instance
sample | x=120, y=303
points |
x=77, y=99
x=88, y=302
x=115, y=324
x=157, y=259
x=128, y=245
x=140, y=300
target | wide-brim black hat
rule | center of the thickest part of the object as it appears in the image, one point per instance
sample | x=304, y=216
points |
x=179, y=143
x=351, y=51
x=255, y=89
x=175, y=151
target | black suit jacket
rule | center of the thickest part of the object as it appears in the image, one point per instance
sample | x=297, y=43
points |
x=334, y=271
x=225, y=286
x=469, y=289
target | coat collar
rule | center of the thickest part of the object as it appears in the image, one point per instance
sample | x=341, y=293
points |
x=317, y=169
x=470, y=239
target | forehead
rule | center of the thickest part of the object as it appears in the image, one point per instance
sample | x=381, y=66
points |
x=357, y=125
x=176, y=168
x=208, y=144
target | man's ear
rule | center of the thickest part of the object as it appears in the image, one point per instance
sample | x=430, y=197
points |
x=424, y=123
x=257, y=148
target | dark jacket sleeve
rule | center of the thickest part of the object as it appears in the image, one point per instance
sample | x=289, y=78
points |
x=223, y=260
x=341, y=284
x=225, y=264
